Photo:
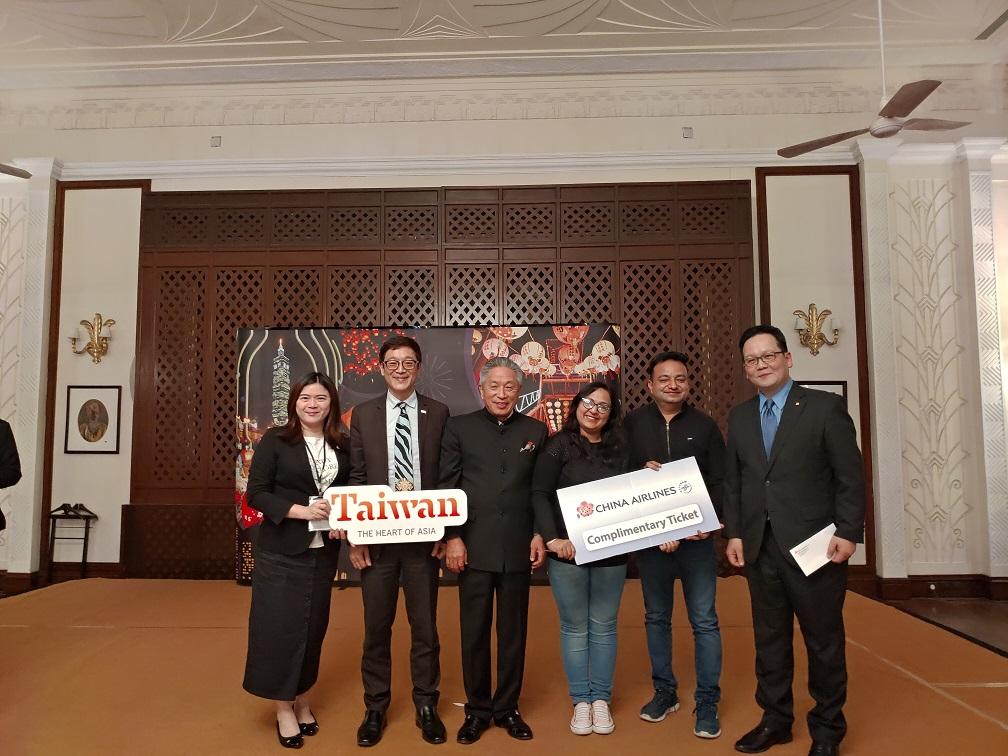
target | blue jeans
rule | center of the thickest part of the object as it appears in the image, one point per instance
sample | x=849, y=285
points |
x=694, y=564
x=587, y=600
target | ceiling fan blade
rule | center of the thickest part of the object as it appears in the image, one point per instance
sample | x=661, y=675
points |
x=800, y=149
x=933, y=124
x=908, y=97
x=10, y=170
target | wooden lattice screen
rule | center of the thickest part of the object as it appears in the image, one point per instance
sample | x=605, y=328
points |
x=671, y=263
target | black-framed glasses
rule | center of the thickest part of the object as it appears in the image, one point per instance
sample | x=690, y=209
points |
x=395, y=364
x=600, y=407
x=768, y=358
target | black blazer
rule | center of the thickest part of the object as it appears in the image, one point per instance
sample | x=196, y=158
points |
x=369, y=461
x=814, y=475
x=10, y=462
x=280, y=476
x=493, y=463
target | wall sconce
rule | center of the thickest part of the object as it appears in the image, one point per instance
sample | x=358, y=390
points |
x=809, y=326
x=97, y=345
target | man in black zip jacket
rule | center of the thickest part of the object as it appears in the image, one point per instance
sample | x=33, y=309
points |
x=666, y=430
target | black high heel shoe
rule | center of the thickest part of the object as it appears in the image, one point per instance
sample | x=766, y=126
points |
x=309, y=728
x=294, y=741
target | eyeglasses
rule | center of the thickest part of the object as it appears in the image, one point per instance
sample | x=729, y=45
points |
x=766, y=359
x=590, y=404
x=394, y=364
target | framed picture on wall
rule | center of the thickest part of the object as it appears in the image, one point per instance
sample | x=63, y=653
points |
x=834, y=387
x=92, y=421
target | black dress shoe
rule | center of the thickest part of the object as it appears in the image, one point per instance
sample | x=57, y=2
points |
x=309, y=728
x=370, y=730
x=432, y=729
x=516, y=726
x=761, y=738
x=294, y=741
x=820, y=748
x=471, y=730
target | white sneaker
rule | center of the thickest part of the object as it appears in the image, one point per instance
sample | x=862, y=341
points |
x=581, y=722
x=602, y=721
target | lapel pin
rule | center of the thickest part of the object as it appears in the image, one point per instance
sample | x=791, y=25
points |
x=423, y=412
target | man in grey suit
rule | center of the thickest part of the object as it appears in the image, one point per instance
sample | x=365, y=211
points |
x=792, y=468
x=395, y=439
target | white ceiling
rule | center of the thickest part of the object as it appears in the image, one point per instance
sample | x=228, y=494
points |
x=80, y=43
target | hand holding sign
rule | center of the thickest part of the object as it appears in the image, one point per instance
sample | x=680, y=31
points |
x=636, y=510
x=377, y=514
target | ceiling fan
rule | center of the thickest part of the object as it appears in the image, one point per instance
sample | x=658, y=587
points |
x=892, y=118
x=11, y=170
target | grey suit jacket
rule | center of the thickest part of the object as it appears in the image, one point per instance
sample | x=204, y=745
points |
x=369, y=461
x=369, y=464
x=814, y=475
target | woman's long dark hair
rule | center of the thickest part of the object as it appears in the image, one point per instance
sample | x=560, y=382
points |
x=332, y=429
x=613, y=438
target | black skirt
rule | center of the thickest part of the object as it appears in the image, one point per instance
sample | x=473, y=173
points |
x=288, y=621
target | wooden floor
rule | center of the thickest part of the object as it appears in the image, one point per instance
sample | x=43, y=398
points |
x=154, y=667
x=981, y=620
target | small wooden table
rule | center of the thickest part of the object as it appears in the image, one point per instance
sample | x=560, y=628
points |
x=66, y=514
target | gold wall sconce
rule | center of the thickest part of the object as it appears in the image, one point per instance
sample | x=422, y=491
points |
x=810, y=328
x=97, y=345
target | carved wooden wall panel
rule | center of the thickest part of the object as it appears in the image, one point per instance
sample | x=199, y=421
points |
x=588, y=292
x=237, y=304
x=670, y=263
x=296, y=300
x=648, y=322
x=411, y=295
x=354, y=296
x=180, y=371
x=471, y=294
x=707, y=288
x=530, y=293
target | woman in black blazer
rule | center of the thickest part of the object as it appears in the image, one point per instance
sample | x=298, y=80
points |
x=294, y=567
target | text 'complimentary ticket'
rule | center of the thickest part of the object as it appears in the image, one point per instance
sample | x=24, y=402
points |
x=636, y=510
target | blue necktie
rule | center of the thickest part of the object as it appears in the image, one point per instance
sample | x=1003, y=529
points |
x=769, y=423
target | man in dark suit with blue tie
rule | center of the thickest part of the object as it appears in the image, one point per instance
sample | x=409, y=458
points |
x=793, y=467
x=395, y=440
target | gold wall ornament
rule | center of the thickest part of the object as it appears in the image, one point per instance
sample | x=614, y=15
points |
x=97, y=345
x=809, y=326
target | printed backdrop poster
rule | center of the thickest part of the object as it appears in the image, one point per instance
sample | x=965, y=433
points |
x=557, y=360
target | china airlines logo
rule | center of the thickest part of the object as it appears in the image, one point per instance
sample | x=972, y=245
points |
x=584, y=509
x=685, y=487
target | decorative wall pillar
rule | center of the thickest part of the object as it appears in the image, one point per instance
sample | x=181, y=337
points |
x=890, y=547
x=937, y=362
x=977, y=155
x=26, y=234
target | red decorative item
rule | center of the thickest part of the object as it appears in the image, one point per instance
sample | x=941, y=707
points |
x=571, y=335
x=362, y=346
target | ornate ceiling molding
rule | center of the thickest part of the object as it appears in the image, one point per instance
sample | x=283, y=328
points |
x=443, y=165
x=632, y=97
x=95, y=42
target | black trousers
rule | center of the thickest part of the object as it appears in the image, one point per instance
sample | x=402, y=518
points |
x=477, y=590
x=779, y=592
x=413, y=566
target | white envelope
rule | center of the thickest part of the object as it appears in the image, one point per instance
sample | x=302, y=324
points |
x=811, y=553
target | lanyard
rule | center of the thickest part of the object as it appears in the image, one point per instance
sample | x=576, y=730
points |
x=318, y=470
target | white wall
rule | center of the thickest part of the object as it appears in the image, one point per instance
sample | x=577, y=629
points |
x=811, y=260
x=101, y=237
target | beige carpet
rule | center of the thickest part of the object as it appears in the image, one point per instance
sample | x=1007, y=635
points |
x=154, y=667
